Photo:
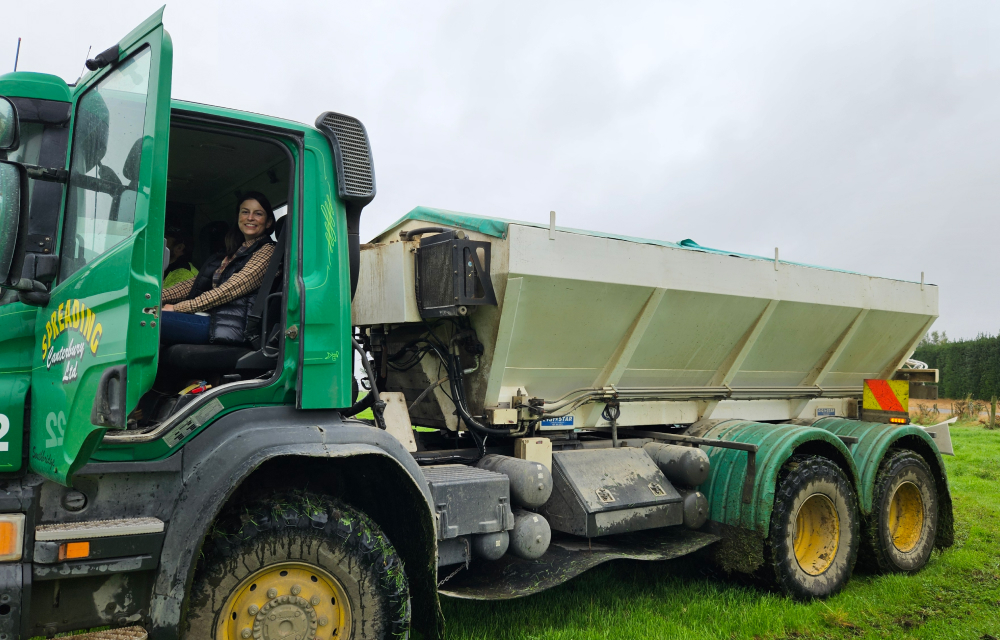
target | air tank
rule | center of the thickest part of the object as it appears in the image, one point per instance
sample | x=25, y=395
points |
x=531, y=535
x=695, y=508
x=681, y=465
x=490, y=546
x=530, y=482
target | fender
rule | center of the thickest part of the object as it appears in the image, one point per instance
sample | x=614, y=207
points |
x=874, y=441
x=228, y=451
x=777, y=443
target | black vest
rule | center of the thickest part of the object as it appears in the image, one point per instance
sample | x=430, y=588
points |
x=229, y=321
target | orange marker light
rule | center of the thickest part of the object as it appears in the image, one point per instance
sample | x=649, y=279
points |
x=897, y=420
x=11, y=536
x=74, y=550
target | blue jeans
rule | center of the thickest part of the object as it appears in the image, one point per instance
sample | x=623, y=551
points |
x=183, y=328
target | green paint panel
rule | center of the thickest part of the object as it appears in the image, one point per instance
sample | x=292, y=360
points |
x=27, y=84
x=17, y=336
x=327, y=355
x=776, y=442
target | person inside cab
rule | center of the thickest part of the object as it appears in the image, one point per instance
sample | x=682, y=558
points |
x=213, y=307
x=180, y=268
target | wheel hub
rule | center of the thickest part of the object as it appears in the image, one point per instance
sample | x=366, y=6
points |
x=287, y=601
x=286, y=617
x=817, y=534
x=906, y=517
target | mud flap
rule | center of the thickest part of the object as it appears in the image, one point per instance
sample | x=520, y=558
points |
x=568, y=557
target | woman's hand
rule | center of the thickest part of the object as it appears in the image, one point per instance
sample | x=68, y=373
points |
x=168, y=307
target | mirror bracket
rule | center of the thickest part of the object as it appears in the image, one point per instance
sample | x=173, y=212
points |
x=104, y=58
x=46, y=174
x=37, y=297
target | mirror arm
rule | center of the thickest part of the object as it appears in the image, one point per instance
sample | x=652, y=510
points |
x=46, y=174
x=30, y=292
x=104, y=58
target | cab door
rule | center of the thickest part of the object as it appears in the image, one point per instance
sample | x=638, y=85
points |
x=96, y=340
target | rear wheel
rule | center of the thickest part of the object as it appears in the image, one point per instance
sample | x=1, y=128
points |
x=813, y=540
x=901, y=529
x=300, y=567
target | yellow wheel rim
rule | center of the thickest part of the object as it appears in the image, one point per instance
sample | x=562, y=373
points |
x=906, y=517
x=287, y=601
x=817, y=534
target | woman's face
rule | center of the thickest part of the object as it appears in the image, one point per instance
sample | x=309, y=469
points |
x=253, y=220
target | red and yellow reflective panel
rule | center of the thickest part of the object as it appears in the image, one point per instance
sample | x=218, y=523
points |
x=887, y=395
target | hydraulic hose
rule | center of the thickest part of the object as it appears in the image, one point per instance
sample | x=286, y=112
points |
x=359, y=406
x=423, y=394
x=459, y=399
x=377, y=405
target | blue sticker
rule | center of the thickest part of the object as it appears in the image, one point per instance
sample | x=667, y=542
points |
x=825, y=411
x=564, y=421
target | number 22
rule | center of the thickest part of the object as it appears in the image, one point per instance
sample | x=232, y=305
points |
x=52, y=420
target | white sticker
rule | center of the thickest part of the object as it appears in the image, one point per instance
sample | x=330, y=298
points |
x=192, y=422
x=4, y=429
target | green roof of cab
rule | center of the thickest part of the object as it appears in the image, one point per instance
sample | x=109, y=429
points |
x=28, y=84
x=242, y=116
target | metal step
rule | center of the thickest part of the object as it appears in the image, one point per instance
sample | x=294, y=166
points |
x=124, y=633
x=98, y=529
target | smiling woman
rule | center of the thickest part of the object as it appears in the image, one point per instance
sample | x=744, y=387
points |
x=226, y=286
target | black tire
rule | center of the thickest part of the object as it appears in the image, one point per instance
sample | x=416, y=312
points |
x=814, y=534
x=303, y=551
x=900, y=532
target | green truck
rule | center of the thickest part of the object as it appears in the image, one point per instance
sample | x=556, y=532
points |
x=578, y=397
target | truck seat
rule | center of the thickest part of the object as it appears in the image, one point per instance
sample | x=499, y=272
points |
x=197, y=359
x=214, y=358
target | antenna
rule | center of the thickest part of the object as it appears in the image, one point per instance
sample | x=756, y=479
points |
x=18, y=54
x=85, y=58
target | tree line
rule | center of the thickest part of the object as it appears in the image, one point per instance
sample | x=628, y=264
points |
x=966, y=366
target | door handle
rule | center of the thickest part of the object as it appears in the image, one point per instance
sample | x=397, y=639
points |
x=109, y=403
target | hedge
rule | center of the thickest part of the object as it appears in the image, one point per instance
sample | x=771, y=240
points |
x=966, y=366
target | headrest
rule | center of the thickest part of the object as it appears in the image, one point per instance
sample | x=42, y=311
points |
x=131, y=167
x=279, y=226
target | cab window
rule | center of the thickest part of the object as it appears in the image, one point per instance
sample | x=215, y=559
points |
x=104, y=166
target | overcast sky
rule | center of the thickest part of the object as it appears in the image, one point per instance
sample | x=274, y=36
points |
x=862, y=136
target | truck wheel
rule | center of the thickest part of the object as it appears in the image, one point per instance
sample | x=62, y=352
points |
x=813, y=540
x=901, y=529
x=304, y=568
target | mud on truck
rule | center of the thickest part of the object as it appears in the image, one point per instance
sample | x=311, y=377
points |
x=580, y=396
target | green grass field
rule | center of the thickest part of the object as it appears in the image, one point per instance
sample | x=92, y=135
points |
x=956, y=596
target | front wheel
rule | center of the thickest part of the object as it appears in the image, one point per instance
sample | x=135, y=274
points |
x=900, y=532
x=303, y=568
x=813, y=539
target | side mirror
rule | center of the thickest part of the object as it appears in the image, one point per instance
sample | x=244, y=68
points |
x=10, y=133
x=13, y=222
x=12, y=183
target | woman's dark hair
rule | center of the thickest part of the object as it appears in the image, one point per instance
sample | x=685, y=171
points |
x=234, y=238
